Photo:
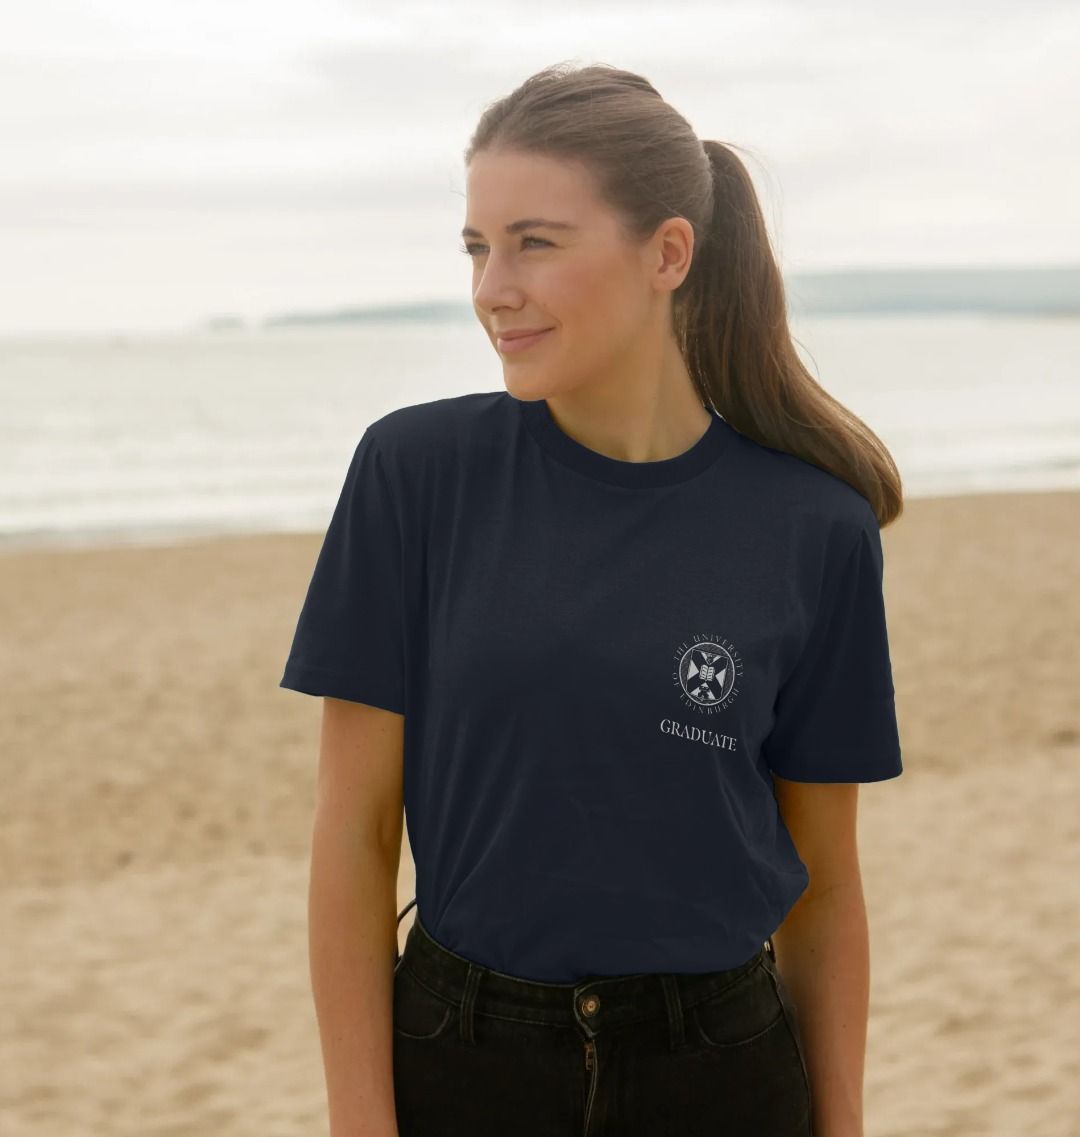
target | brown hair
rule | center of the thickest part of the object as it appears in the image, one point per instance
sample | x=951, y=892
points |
x=729, y=315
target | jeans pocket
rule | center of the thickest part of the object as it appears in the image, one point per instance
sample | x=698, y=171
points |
x=419, y=1013
x=744, y=1014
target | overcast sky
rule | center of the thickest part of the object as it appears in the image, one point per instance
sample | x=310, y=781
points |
x=166, y=161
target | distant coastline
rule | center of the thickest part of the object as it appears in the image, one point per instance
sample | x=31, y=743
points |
x=1026, y=291
x=152, y=437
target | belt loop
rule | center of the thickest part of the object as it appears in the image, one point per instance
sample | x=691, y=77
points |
x=468, y=999
x=674, y=1010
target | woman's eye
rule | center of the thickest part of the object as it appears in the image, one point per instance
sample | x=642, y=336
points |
x=473, y=250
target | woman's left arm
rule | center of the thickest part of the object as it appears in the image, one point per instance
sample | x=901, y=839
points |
x=822, y=950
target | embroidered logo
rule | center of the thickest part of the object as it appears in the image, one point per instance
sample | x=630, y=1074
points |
x=707, y=672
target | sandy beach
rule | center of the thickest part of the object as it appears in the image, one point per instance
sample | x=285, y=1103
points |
x=158, y=788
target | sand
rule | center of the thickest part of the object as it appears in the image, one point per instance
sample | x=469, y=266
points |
x=156, y=813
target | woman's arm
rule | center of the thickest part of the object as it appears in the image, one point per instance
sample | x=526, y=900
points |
x=352, y=910
x=822, y=950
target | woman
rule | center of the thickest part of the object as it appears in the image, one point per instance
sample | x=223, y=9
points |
x=615, y=635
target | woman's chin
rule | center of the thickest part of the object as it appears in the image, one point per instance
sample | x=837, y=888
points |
x=524, y=387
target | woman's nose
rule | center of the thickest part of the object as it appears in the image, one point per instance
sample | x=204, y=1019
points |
x=496, y=286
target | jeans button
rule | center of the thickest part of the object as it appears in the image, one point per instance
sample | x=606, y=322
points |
x=590, y=1004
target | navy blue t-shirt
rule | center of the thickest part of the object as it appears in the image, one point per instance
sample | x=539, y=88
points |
x=600, y=664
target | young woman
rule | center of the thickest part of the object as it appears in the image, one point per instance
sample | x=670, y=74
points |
x=616, y=637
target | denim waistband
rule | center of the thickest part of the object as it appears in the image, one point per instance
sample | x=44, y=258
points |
x=594, y=1003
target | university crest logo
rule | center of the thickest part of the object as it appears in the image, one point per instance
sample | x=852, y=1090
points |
x=707, y=672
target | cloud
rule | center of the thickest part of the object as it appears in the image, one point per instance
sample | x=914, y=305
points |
x=870, y=131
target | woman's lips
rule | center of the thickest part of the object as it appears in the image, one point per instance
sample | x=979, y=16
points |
x=520, y=344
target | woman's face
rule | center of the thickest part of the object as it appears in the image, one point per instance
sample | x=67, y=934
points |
x=583, y=280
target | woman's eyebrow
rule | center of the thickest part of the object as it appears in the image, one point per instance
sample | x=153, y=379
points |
x=525, y=223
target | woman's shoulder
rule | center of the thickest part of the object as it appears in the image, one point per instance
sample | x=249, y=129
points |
x=437, y=423
x=425, y=444
x=799, y=493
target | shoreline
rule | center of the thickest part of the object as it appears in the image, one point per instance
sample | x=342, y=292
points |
x=179, y=535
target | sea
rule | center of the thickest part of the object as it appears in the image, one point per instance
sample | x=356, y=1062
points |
x=163, y=437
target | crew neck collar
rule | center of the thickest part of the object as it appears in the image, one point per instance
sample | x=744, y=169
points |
x=593, y=464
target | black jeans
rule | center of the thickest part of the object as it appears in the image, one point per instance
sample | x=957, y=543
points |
x=479, y=1052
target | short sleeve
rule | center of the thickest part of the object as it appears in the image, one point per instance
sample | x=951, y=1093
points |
x=835, y=713
x=348, y=642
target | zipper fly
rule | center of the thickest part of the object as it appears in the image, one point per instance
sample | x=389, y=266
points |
x=590, y=1065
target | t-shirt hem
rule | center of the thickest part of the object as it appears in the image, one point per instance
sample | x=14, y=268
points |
x=857, y=771
x=310, y=680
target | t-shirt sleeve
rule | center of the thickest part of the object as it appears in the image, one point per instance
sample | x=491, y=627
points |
x=348, y=642
x=835, y=713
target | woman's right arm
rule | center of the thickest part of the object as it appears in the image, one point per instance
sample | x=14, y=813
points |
x=352, y=911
